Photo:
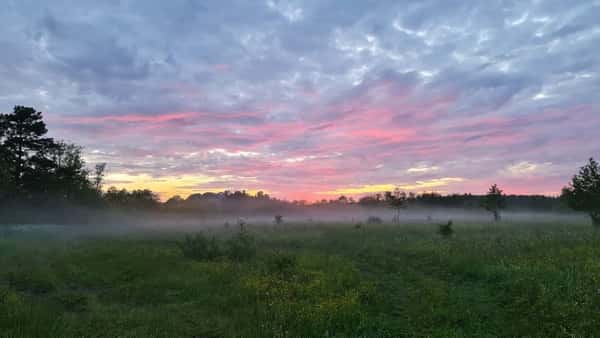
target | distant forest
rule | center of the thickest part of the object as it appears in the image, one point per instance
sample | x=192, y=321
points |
x=40, y=173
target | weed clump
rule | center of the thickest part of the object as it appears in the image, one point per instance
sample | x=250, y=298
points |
x=200, y=248
x=446, y=229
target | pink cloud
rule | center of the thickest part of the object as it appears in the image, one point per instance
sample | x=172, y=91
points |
x=222, y=67
x=133, y=118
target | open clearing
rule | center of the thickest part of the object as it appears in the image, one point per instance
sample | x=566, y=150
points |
x=312, y=281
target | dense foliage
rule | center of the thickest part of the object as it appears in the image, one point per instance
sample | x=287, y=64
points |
x=584, y=191
x=39, y=169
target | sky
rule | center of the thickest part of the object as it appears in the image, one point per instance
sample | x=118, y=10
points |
x=313, y=99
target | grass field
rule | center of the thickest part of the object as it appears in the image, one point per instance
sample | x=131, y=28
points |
x=319, y=281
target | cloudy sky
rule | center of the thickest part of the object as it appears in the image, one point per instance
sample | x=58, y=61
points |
x=312, y=99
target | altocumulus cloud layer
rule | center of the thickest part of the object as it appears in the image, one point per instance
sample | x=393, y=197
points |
x=308, y=99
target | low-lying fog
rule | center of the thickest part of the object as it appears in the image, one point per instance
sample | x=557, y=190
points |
x=114, y=224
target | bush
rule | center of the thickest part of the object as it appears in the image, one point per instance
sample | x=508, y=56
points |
x=374, y=220
x=35, y=282
x=200, y=248
x=446, y=229
x=73, y=302
x=281, y=263
x=241, y=247
x=278, y=219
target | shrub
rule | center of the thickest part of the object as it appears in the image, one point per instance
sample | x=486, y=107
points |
x=278, y=219
x=73, y=302
x=241, y=247
x=281, y=263
x=374, y=220
x=446, y=229
x=200, y=248
x=35, y=282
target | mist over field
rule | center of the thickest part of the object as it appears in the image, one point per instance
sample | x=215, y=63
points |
x=93, y=222
x=299, y=168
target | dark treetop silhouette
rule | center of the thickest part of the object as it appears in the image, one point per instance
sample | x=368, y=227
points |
x=494, y=201
x=36, y=170
x=584, y=191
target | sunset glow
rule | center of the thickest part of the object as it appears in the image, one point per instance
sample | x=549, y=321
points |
x=306, y=104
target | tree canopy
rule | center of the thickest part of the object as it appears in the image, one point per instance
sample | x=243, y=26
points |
x=583, y=193
x=494, y=201
x=36, y=167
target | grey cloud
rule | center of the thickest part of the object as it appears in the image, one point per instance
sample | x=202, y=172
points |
x=503, y=60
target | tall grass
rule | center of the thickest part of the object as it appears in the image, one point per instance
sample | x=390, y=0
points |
x=383, y=281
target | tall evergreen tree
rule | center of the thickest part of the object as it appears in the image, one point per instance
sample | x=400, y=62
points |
x=6, y=177
x=22, y=139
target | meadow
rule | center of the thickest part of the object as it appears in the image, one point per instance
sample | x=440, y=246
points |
x=329, y=280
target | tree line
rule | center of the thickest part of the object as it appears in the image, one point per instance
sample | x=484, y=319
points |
x=37, y=170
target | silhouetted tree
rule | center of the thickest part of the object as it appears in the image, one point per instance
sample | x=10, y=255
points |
x=6, y=181
x=98, y=179
x=22, y=139
x=57, y=171
x=278, y=219
x=142, y=199
x=583, y=193
x=396, y=200
x=368, y=201
x=37, y=167
x=494, y=201
x=174, y=202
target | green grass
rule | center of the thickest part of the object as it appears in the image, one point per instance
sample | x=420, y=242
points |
x=327, y=281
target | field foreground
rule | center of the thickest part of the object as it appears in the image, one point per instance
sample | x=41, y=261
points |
x=306, y=281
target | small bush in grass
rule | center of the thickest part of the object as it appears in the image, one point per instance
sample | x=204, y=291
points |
x=278, y=219
x=73, y=302
x=242, y=246
x=446, y=229
x=200, y=248
x=35, y=282
x=374, y=220
x=281, y=263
